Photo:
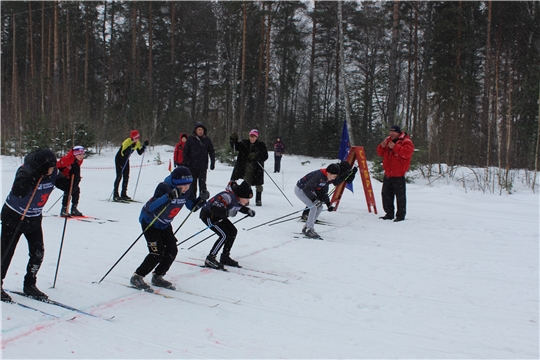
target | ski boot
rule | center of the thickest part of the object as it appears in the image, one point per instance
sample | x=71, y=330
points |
x=75, y=211
x=225, y=259
x=137, y=281
x=32, y=291
x=213, y=263
x=158, y=280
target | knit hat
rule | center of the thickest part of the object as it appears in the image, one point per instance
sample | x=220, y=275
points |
x=333, y=169
x=78, y=150
x=395, y=128
x=134, y=135
x=243, y=190
x=254, y=132
x=181, y=176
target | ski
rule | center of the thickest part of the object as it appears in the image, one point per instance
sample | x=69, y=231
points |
x=256, y=270
x=151, y=291
x=62, y=305
x=33, y=308
x=83, y=219
x=207, y=297
x=234, y=270
x=303, y=236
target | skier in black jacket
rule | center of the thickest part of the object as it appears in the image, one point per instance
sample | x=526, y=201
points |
x=22, y=214
x=197, y=149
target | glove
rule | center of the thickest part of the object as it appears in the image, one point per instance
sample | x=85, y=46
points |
x=252, y=155
x=212, y=166
x=234, y=137
x=331, y=208
x=354, y=170
x=199, y=204
x=251, y=212
x=204, y=195
x=146, y=143
x=173, y=194
x=232, y=212
x=317, y=203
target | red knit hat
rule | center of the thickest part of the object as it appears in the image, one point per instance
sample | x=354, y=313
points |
x=134, y=135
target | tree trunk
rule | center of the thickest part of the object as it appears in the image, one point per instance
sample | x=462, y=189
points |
x=150, y=51
x=56, y=76
x=243, y=73
x=392, y=71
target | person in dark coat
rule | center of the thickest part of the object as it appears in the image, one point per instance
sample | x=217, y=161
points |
x=252, y=154
x=69, y=166
x=22, y=214
x=169, y=198
x=197, y=150
x=121, y=161
x=279, y=149
x=312, y=190
x=178, y=156
x=396, y=150
x=216, y=212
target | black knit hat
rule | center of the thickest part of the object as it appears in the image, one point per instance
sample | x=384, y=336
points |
x=333, y=169
x=243, y=190
x=181, y=176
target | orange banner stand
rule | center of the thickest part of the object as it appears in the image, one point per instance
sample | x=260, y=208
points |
x=358, y=154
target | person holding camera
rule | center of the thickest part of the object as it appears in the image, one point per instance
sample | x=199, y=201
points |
x=156, y=221
x=396, y=151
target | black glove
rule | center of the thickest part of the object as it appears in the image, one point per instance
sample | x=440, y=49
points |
x=75, y=169
x=250, y=212
x=146, y=143
x=234, y=137
x=354, y=170
x=173, y=194
x=212, y=166
x=331, y=208
x=205, y=195
x=198, y=205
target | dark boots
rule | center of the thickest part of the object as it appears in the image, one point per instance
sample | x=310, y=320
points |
x=258, y=200
x=75, y=211
x=32, y=291
x=226, y=260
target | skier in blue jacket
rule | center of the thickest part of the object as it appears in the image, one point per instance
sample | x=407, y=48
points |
x=156, y=218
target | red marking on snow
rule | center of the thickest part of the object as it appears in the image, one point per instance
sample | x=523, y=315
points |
x=37, y=328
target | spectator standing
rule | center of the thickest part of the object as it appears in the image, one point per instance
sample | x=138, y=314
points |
x=22, y=214
x=178, y=157
x=69, y=166
x=252, y=154
x=396, y=151
x=279, y=149
x=197, y=150
x=121, y=161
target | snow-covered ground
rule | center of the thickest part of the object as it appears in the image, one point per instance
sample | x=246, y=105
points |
x=457, y=279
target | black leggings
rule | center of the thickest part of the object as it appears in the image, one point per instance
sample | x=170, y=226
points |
x=162, y=250
x=226, y=232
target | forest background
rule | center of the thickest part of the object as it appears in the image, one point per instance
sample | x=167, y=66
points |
x=462, y=77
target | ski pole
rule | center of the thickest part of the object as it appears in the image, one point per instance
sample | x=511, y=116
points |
x=209, y=236
x=275, y=183
x=137, y=239
x=198, y=232
x=54, y=203
x=192, y=246
x=8, y=249
x=122, y=172
x=282, y=221
x=137, y=183
x=268, y=222
x=63, y=232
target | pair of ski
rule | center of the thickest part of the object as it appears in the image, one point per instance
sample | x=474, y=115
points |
x=152, y=291
x=90, y=219
x=239, y=271
x=52, y=302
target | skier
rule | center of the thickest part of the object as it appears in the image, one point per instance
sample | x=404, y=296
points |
x=215, y=213
x=70, y=166
x=159, y=212
x=252, y=154
x=121, y=161
x=346, y=173
x=22, y=214
x=312, y=190
x=178, y=156
x=196, y=152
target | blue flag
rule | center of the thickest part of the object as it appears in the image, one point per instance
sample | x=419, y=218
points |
x=344, y=147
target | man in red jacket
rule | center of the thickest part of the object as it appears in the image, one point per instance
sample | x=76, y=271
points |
x=396, y=151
